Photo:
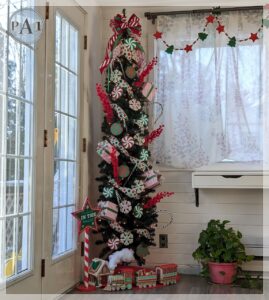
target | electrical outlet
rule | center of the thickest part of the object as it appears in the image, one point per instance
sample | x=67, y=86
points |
x=163, y=240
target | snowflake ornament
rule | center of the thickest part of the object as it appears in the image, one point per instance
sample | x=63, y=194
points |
x=139, y=140
x=125, y=206
x=142, y=166
x=134, y=104
x=108, y=192
x=139, y=186
x=116, y=76
x=126, y=238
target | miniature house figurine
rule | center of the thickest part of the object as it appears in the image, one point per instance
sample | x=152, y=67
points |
x=98, y=272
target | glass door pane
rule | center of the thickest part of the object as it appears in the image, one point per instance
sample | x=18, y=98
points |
x=65, y=136
x=17, y=104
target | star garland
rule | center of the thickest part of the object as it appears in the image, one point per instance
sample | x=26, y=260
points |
x=202, y=36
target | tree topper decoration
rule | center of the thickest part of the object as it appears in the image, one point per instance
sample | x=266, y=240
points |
x=86, y=216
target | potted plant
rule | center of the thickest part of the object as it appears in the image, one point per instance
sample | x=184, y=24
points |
x=220, y=252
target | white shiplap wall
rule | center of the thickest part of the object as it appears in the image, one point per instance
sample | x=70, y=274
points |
x=242, y=207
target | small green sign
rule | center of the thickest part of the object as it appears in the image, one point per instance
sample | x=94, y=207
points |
x=86, y=216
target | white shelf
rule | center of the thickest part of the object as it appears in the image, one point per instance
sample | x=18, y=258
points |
x=227, y=175
x=231, y=176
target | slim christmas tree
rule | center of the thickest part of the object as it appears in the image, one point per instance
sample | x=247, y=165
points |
x=128, y=215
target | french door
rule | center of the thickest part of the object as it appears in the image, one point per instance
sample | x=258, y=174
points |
x=22, y=72
x=64, y=49
x=40, y=94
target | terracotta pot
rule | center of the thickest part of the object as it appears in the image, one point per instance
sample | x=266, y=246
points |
x=222, y=273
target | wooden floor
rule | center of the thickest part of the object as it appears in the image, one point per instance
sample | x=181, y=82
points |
x=188, y=284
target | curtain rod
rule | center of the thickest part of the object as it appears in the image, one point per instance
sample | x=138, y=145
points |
x=153, y=15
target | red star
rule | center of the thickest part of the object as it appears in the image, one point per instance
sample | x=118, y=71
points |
x=188, y=48
x=158, y=35
x=87, y=217
x=254, y=37
x=220, y=28
x=210, y=19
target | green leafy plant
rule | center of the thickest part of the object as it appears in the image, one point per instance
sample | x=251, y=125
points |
x=220, y=244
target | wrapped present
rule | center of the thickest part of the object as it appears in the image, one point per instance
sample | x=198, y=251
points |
x=152, y=179
x=104, y=149
x=109, y=211
x=149, y=91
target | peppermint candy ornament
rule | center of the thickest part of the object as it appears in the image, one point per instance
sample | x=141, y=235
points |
x=130, y=43
x=117, y=93
x=113, y=243
x=144, y=155
x=125, y=206
x=126, y=238
x=138, y=211
x=127, y=142
x=108, y=192
x=144, y=120
x=134, y=104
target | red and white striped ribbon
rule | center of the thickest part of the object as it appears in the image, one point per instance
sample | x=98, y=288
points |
x=86, y=257
x=132, y=24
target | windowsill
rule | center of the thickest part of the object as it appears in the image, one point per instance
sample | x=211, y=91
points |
x=11, y=281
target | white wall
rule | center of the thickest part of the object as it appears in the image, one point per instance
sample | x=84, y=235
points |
x=243, y=208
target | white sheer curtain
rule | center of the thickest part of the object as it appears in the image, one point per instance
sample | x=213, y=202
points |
x=211, y=96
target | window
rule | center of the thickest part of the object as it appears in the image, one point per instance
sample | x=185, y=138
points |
x=212, y=95
x=65, y=136
x=17, y=104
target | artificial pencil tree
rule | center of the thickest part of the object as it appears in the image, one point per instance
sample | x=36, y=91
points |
x=128, y=211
